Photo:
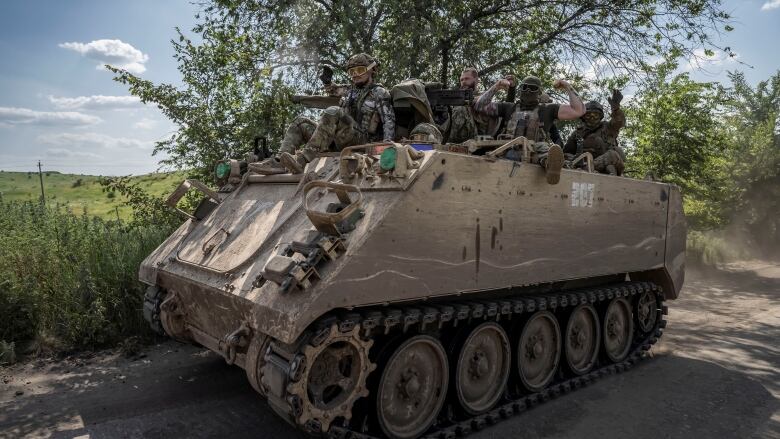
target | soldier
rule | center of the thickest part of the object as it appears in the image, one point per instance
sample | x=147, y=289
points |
x=533, y=120
x=599, y=137
x=364, y=115
x=465, y=122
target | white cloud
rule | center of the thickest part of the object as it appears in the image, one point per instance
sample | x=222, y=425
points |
x=95, y=102
x=94, y=140
x=16, y=116
x=63, y=152
x=114, y=52
x=700, y=59
x=145, y=124
x=771, y=4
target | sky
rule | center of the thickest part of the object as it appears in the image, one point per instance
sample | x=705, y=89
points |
x=60, y=106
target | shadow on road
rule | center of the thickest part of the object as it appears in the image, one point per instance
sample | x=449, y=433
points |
x=715, y=374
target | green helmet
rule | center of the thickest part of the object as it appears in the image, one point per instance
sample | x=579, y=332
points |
x=532, y=80
x=594, y=106
x=426, y=132
x=361, y=59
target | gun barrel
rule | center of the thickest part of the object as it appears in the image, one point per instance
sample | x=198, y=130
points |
x=316, y=101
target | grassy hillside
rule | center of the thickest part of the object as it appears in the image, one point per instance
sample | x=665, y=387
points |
x=80, y=193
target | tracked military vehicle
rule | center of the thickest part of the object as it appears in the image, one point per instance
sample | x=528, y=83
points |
x=416, y=289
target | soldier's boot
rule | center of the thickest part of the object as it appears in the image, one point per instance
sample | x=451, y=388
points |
x=293, y=163
x=553, y=164
x=269, y=166
x=611, y=170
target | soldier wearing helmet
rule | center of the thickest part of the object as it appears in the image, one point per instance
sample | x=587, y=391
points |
x=599, y=137
x=363, y=115
x=426, y=132
x=532, y=119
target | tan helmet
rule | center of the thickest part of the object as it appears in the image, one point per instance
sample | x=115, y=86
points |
x=426, y=132
x=360, y=63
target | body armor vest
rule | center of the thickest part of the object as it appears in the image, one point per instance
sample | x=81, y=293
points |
x=527, y=123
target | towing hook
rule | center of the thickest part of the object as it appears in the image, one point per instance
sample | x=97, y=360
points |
x=236, y=339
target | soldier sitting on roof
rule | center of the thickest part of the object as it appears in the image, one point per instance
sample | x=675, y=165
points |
x=599, y=137
x=364, y=115
x=531, y=119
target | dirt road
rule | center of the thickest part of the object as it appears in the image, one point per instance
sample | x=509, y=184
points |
x=715, y=374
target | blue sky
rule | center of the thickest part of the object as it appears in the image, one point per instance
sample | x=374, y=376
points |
x=58, y=106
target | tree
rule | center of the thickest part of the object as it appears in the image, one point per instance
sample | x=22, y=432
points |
x=433, y=39
x=754, y=132
x=252, y=54
x=674, y=133
x=223, y=104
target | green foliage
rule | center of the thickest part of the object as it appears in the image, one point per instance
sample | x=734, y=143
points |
x=71, y=278
x=673, y=134
x=721, y=145
x=250, y=55
x=222, y=106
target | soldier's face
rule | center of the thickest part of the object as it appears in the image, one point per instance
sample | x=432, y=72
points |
x=468, y=80
x=592, y=118
x=363, y=79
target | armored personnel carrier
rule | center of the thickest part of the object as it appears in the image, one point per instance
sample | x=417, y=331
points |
x=403, y=290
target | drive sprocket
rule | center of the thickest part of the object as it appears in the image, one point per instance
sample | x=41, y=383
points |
x=332, y=369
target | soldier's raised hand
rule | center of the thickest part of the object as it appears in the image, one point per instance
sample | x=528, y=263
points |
x=561, y=84
x=503, y=84
x=512, y=80
x=617, y=96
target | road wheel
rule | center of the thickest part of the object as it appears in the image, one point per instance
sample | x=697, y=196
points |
x=646, y=312
x=618, y=329
x=582, y=339
x=482, y=368
x=412, y=388
x=539, y=351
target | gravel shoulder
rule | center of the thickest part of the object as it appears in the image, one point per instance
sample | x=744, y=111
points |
x=715, y=373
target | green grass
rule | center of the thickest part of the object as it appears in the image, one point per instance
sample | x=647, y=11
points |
x=81, y=193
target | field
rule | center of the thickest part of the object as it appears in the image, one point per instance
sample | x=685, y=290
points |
x=81, y=193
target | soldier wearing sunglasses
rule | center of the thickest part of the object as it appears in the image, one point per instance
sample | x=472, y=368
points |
x=530, y=118
x=364, y=115
x=599, y=137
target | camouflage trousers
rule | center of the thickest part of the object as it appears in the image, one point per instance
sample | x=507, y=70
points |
x=539, y=152
x=460, y=126
x=611, y=162
x=609, y=159
x=337, y=127
x=298, y=134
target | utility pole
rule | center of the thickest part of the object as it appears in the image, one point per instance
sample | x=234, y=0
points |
x=40, y=176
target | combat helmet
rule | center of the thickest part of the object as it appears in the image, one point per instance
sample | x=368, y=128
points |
x=360, y=63
x=532, y=80
x=426, y=132
x=594, y=106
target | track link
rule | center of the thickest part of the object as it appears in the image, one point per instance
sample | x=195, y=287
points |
x=283, y=362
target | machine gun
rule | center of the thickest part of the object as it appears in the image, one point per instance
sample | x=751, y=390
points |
x=441, y=98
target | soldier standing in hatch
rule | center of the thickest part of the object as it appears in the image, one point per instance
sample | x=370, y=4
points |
x=533, y=120
x=364, y=115
x=599, y=137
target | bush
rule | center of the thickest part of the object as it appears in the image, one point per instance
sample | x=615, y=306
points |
x=71, y=278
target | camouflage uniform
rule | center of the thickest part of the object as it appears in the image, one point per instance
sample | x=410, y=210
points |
x=364, y=115
x=298, y=134
x=600, y=138
x=465, y=123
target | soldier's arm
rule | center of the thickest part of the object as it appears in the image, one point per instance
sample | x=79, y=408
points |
x=484, y=104
x=386, y=113
x=618, y=117
x=576, y=108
